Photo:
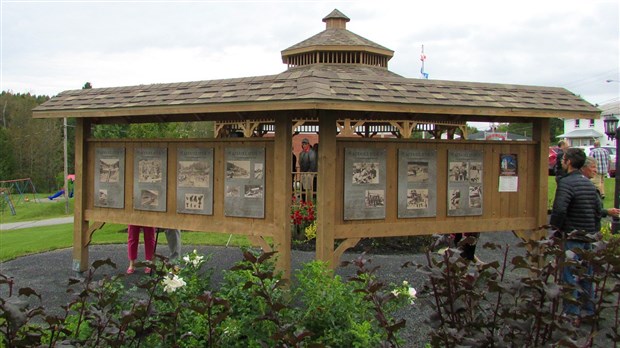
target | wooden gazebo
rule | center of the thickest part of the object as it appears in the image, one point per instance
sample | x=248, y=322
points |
x=368, y=186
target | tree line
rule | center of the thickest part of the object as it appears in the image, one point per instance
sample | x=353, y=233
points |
x=30, y=148
x=34, y=148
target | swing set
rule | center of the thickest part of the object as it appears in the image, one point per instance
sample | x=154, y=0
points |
x=20, y=187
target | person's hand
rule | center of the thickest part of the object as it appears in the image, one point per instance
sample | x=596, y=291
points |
x=613, y=212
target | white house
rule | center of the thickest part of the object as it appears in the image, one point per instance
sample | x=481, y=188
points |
x=583, y=133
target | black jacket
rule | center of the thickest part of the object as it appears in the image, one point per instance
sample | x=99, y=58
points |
x=576, y=206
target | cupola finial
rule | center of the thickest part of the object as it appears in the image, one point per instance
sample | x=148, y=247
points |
x=336, y=20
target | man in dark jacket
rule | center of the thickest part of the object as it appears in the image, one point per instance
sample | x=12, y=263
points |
x=576, y=215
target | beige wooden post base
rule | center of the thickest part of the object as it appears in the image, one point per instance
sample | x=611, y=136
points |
x=537, y=254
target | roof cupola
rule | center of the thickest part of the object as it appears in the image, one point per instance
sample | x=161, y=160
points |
x=337, y=45
x=336, y=20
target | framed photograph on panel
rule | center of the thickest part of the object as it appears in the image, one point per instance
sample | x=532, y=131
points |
x=508, y=164
x=508, y=173
x=195, y=180
x=465, y=182
x=364, y=183
x=244, y=191
x=417, y=183
x=150, y=178
x=109, y=177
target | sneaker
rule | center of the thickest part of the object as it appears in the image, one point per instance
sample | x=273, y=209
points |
x=147, y=270
x=130, y=270
x=478, y=261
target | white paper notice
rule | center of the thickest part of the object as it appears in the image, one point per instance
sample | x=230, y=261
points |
x=508, y=183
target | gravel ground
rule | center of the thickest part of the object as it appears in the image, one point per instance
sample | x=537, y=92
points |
x=49, y=272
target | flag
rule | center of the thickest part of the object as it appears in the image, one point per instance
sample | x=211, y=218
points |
x=425, y=75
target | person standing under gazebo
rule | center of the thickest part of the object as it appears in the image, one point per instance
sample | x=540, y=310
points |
x=307, y=167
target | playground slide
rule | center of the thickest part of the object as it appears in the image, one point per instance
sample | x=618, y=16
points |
x=60, y=193
x=56, y=195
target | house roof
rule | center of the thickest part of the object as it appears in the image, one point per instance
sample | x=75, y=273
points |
x=352, y=87
x=509, y=136
x=611, y=109
x=582, y=133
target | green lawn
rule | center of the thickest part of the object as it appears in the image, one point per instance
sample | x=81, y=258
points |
x=41, y=239
x=33, y=210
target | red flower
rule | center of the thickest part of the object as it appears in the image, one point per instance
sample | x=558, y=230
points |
x=302, y=212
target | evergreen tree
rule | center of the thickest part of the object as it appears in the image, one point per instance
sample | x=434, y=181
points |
x=7, y=161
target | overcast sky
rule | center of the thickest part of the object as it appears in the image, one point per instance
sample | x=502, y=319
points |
x=52, y=46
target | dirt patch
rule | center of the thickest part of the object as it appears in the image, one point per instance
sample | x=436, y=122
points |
x=379, y=246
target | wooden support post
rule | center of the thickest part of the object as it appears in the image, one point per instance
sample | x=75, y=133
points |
x=541, y=135
x=326, y=194
x=81, y=234
x=283, y=191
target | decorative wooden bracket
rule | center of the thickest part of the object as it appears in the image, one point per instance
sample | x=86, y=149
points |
x=404, y=127
x=298, y=123
x=260, y=241
x=346, y=244
x=345, y=127
x=463, y=131
x=249, y=127
x=91, y=229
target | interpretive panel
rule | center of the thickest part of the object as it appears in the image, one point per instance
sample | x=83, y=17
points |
x=244, y=194
x=364, y=184
x=465, y=182
x=194, y=181
x=110, y=177
x=150, y=173
x=417, y=183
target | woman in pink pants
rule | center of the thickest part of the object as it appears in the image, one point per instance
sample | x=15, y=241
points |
x=133, y=239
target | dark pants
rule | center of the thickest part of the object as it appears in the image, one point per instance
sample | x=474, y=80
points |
x=469, y=250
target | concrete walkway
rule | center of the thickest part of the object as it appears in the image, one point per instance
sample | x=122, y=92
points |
x=38, y=223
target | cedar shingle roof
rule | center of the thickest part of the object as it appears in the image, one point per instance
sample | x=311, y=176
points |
x=323, y=82
x=336, y=34
x=336, y=37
